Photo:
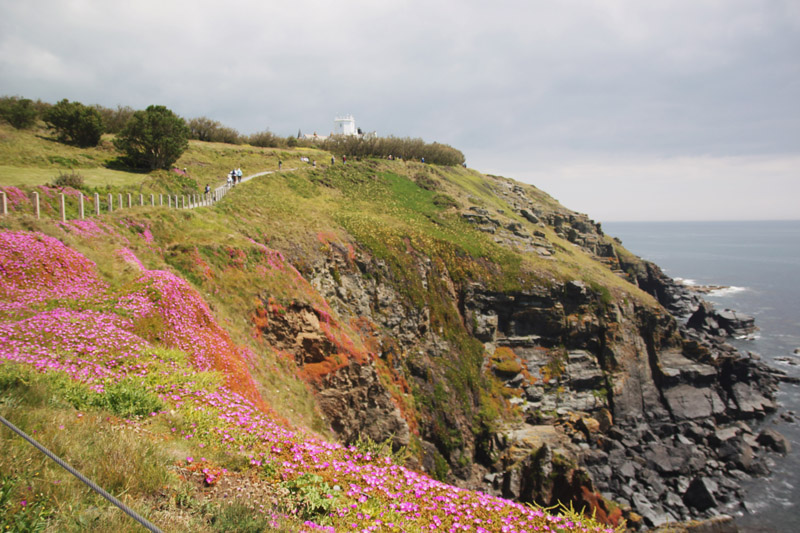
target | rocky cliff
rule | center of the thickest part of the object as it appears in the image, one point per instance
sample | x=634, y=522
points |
x=612, y=401
x=478, y=329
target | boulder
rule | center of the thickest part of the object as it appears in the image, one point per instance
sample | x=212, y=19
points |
x=687, y=402
x=726, y=322
x=735, y=323
x=530, y=217
x=659, y=458
x=723, y=435
x=775, y=441
x=736, y=452
x=703, y=319
x=750, y=400
x=700, y=494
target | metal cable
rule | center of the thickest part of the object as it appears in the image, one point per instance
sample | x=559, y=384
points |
x=127, y=510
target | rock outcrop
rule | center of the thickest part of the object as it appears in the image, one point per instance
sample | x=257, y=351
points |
x=724, y=323
x=349, y=392
x=616, y=399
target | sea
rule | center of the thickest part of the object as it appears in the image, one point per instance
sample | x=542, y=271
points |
x=758, y=263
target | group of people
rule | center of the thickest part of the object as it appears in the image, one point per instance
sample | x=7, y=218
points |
x=235, y=176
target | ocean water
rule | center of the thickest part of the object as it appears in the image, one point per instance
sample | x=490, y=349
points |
x=760, y=263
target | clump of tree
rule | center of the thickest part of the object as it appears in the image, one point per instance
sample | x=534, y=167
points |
x=267, y=139
x=75, y=123
x=205, y=129
x=114, y=119
x=154, y=138
x=21, y=113
x=405, y=148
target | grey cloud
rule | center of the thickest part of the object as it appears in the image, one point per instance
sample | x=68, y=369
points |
x=526, y=81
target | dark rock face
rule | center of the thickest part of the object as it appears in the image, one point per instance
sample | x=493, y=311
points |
x=617, y=398
x=357, y=405
x=351, y=397
x=674, y=396
x=722, y=323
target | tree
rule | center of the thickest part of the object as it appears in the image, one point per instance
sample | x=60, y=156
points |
x=19, y=112
x=153, y=138
x=75, y=123
x=205, y=129
x=114, y=119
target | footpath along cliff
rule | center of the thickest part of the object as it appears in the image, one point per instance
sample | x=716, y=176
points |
x=486, y=335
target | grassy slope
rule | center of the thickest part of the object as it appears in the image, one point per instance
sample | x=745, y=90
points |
x=31, y=157
x=375, y=205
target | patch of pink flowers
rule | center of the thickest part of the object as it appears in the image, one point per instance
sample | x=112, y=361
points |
x=97, y=346
x=36, y=268
x=16, y=197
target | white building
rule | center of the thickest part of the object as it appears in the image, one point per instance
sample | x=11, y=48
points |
x=345, y=125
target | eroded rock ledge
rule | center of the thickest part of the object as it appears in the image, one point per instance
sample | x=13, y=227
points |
x=618, y=401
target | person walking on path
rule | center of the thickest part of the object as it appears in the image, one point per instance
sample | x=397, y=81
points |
x=333, y=160
x=280, y=163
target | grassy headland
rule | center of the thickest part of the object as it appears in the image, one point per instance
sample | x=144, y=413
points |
x=159, y=382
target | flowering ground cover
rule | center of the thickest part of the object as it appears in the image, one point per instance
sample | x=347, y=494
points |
x=159, y=336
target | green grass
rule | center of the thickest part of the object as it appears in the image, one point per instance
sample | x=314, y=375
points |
x=377, y=207
x=134, y=462
x=93, y=177
x=34, y=157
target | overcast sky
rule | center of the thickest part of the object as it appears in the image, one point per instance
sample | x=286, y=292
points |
x=621, y=109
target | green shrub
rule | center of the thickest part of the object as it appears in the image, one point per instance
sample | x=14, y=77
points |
x=154, y=138
x=310, y=495
x=75, y=123
x=405, y=148
x=19, y=112
x=125, y=399
x=205, y=129
x=266, y=139
x=71, y=179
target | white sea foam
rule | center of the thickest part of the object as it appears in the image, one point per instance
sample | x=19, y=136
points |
x=686, y=281
x=727, y=291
